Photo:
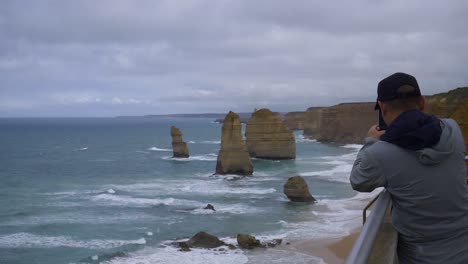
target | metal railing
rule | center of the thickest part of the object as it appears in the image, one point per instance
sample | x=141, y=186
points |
x=363, y=246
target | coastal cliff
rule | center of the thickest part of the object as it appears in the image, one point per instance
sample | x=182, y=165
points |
x=295, y=120
x=233, y=157
x=453, y=104
x=312, y=121
x=344, y=123
x=268, y=137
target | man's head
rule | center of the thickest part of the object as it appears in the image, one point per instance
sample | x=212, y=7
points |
x=396, y=94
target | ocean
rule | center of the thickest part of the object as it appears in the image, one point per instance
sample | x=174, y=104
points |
x=107, y=190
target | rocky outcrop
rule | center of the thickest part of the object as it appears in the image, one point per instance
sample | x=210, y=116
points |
x=268, y=138
x=202, y=240
x=209, y=207
x=343, y=124
x=295, y=120
x=233, y=157
x=297, y=190
x=179, y=147
x=247, y=241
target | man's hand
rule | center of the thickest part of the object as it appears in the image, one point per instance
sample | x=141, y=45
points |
x=374, y=132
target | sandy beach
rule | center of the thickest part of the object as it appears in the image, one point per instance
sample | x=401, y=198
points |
x=332, y=251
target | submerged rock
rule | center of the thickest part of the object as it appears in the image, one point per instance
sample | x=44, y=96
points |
x=268, y=137
x=179, y=147
x=233, y=157
x=296, y=190
x=209, y=207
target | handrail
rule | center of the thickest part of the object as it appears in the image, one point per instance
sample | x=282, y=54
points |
x=363, y=246
x=364, y=211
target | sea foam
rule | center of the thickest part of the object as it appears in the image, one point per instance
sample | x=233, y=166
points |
x=28, y=240
x=159, y=149
x=171, y=255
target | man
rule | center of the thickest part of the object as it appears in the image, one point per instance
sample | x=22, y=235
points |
x=419, y=159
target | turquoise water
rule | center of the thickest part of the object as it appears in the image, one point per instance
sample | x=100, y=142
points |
x=107, y=190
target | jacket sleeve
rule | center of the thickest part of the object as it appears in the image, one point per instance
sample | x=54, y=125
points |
x=366, y=174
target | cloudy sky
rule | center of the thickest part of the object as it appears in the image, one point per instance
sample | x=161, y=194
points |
x=108, y=58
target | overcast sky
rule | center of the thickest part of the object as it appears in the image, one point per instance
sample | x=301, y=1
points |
x=108, y=58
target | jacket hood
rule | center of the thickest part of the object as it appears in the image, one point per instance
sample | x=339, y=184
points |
x=413, y=130
x=441, y=150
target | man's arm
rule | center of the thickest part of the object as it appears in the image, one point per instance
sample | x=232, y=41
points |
x=366, y=174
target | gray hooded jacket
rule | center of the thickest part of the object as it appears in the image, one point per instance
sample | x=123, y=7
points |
x=429, y=194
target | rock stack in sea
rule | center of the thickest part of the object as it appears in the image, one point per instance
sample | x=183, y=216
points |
x=179, y=147
x=297, y=190
x=233, y=157
x=268, y=137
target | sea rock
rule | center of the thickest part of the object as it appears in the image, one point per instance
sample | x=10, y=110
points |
x=295, y=120
x=248, y=241
x=268, y=137
x=343, y=124
x=274, y=242
x=202, y=240
x=179, y=147
x=233, y=157
x=296, y=190
x=209, y=207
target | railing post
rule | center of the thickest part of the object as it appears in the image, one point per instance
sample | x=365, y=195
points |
x=363, y=246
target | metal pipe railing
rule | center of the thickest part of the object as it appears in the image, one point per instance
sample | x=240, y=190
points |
x=365, y=242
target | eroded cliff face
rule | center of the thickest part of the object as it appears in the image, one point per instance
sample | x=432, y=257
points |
x=313, y=119
x=343, y=124
x=268, y=137
x=453, y=104
x=348, y=123
x=295, y=120
x=179, y=147
x=233, y=157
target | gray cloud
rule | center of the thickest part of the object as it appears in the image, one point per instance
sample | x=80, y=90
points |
x=105, y=58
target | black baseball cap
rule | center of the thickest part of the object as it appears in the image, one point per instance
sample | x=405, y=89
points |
x=387, y=89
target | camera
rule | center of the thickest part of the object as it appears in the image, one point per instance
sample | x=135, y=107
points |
x=382, y=124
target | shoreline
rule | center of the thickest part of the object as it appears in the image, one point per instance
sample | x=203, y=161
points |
x=330, y=250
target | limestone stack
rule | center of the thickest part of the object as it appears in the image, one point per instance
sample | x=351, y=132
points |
x=233, y=157
x=297, y=190
x=268, y=137
x=179, y=147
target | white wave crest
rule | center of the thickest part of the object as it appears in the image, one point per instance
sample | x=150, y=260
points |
x=211, y=142
x=353, y=146
x=171, y=255
x=27, y=240
x=236, y=209
x=302, y=139
x=116, y=200
x=159, y=149
x=339, y=173
x=206, y=157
